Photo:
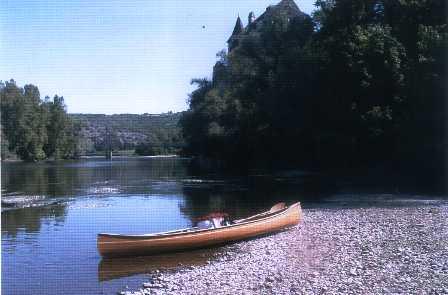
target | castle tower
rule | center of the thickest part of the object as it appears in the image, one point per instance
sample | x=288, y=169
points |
x=288, y=5
x=234, y=39
x=285, y=9
x=250, y=18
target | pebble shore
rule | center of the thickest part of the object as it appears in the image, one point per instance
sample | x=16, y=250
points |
x=364, y=249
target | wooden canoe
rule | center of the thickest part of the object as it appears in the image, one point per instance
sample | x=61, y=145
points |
x=279, y=217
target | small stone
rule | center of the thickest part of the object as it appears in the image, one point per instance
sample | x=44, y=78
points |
x=159, y=286
x=382, y=256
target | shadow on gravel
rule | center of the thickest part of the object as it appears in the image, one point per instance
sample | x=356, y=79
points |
x=355, y=201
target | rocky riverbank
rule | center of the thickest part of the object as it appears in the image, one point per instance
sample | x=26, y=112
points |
x=374, y=247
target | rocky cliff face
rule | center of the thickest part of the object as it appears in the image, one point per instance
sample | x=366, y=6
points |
x=126, y=131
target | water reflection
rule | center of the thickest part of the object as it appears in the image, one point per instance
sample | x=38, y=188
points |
x=31, y=219
x=240, y=199
x=97, y=176
x=110, y=269
x=43, y=179
x=51, y=247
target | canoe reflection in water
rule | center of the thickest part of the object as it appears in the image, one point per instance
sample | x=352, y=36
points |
x=110, y=269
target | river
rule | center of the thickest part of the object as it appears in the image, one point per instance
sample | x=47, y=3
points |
x=52, y=212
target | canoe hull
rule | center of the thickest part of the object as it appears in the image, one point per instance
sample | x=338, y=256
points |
x=120, y=245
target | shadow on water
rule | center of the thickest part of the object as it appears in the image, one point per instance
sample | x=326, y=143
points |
x=250, y=195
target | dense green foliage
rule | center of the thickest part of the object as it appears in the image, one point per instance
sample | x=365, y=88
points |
x=35, y=129
x=361, y=83
x=147, y=134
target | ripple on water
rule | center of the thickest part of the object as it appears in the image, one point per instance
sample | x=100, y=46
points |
x=90, y=204
x=25, y=201
x=103, y=190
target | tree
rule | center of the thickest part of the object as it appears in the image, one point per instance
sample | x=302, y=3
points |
x=23, y=120
x=35, y=129
x=362, y=83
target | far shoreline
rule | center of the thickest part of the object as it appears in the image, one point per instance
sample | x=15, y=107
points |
x=379, y=178
x=92, y=157
x=132, y=156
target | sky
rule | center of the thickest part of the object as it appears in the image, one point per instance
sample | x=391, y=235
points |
x=118, y=56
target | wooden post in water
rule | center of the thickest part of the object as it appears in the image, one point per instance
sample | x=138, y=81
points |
x=108, y=144
x=109, y=154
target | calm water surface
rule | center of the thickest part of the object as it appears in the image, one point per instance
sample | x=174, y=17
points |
x=52, y=212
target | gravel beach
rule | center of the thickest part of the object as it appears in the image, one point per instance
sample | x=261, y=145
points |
x=365, y=247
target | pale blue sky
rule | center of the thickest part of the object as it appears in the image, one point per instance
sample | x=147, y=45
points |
x=118, y=56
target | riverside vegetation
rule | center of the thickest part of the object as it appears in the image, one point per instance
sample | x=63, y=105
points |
x=33, y=129
x=357, y=84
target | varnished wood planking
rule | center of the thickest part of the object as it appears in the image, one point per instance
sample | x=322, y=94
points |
x=120, y=245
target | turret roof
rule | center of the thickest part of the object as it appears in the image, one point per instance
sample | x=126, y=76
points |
x=285, y=7
x=238, y=26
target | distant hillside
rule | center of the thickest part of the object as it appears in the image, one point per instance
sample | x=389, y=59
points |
x=128, y=131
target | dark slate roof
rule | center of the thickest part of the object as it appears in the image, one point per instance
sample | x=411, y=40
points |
x=289, y=5
x=238, y=28
x=286, y=8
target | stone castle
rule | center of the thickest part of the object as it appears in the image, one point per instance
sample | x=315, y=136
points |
x=286, y=9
